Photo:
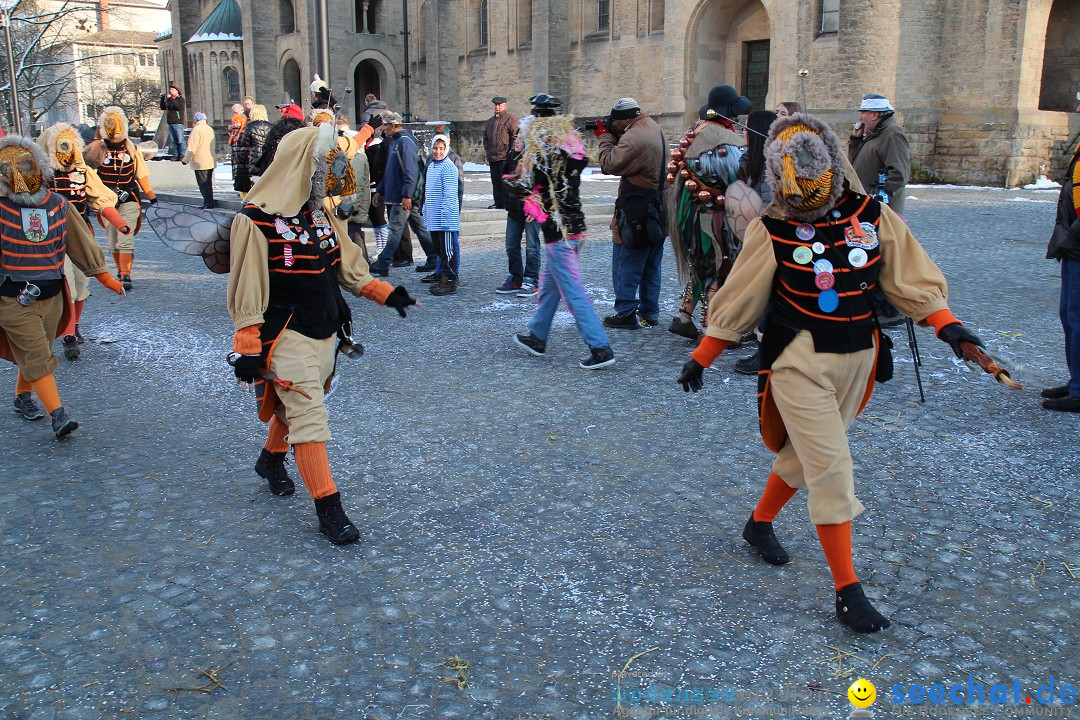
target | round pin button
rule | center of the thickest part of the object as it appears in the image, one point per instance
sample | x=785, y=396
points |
x=857, y=257
x=818, y=248
x=836, y=213
x=828, y=301
x=825, y=281
x=802, y=255
x=805, y=232
x=823, y=266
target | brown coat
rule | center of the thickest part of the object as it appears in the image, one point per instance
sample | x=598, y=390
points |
x=887, y=147
x=499, y=134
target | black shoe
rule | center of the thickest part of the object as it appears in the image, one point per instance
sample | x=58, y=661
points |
x=444, y=287
x=762, y=537
x=271, y=467
x=62, y=425
x=126, y=282
x=427, y=267
x=1056, y=392
x=681, y=326
x=379, y=270
x=25, y=406
x=890, y=320
x=401, y=263
x=78, y=335
x=71, y=347
x=432, y=278
x=1069, y=403
x=855, y=611
x=493, y=207
x=749, y=365
x=333, y=522
x=622, y=322
x=531, y=344
x=598, y=358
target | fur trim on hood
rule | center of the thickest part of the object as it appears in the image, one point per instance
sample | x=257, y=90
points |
x=27, y=199
x=818, y=151
x=47, y=142
x=112, y=109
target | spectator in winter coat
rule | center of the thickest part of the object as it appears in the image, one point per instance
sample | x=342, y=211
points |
x=280, y=129
x=878, y=144
x=442, y=215
x=250, y=148
x=175, y=113
x=135, y=129
x=236, y=131
x=499, y=133
x=373, y=106
x=200, y=155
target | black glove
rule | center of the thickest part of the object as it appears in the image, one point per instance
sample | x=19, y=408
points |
x=153, y=200
x=375, y=121
x=956, y=333
x=248, y=368
x=399, y=300
x=690, y=377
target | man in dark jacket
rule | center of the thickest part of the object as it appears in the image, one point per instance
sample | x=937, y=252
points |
x=397, y=186
x=499, y=133
x=634, y=148
x=175, y=107
x=1065, y=246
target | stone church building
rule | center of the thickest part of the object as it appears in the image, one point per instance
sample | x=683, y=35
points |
x=984, y=89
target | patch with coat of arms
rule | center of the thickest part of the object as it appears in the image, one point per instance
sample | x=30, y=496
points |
x=867, y=240
x=35, y=224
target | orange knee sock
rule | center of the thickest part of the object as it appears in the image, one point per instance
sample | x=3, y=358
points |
x=45, y=387
x=836, y=542
x=125, y=263
x=116, y=261
x=777, y=493
x=78, y=309
x=22, y=385
x=314, y=466
x=275, y=436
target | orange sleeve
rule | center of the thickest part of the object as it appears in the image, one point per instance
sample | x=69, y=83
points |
x=144, y=183
x=115, y=219
x=940, y=319
x=377, y=290
x=110, y=282
x=708, y=350
x=247, y=340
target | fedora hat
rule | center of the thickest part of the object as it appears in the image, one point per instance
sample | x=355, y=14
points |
x=724, y=101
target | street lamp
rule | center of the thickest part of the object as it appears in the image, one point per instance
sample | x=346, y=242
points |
x=6, y=7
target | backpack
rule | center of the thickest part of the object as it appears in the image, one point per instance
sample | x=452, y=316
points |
x=421, y=175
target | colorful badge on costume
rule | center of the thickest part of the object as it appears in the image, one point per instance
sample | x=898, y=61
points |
x=857, y=257
x=818, y=248
x=288, y=256
x=77, y=178
x=828, y=301
x=35, y=224
x=823, y=266
x=802, y=255
x=868, y=240
x=825, y=281
x=319, y=218
x=805, y=232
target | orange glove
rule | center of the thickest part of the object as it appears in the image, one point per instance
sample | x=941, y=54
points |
x=248, y=341
x=116, y=220
x=111, y=283
x=144, y=183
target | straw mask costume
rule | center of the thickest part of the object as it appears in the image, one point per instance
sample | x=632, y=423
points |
x=37, y=229
x=805, y=266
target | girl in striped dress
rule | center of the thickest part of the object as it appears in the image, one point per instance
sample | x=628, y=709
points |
x=442, y=214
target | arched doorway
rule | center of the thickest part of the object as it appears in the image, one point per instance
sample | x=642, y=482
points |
x=290, y=80
x=367, y=78
x=1061, y=58
x=728, y=43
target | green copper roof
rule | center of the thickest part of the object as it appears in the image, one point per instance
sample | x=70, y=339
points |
x=221, y=24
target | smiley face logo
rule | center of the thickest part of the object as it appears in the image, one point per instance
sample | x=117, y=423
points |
x=862, y=693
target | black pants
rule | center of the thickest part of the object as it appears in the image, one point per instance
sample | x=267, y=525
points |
x=498, y=192
x=356, y=234
x=205, y=180
x=404, y=253
x=443, y=240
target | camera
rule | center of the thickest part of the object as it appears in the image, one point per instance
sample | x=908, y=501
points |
x=344, y=211
x=28, y=294
x=592, y=124
x=122, y=197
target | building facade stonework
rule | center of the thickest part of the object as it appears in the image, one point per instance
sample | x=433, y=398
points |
x=984, y=89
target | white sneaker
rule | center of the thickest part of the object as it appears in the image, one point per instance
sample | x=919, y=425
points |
x=528, y=289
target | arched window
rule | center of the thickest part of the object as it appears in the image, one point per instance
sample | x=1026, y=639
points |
x=232, y=83
x=287, y=19
x=290, y=80
x=366, y=79
x=1061, y=58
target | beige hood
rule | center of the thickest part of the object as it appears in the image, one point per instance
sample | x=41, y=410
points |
x=286, y=185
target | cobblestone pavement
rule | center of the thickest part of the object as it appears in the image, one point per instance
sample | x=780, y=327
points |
x=543, y=523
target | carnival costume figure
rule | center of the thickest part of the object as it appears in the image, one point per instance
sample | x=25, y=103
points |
x=80, y=185
x=39, y=227
x=288, y=257
x=807, y=266
x=122, y=168
x=701, y=168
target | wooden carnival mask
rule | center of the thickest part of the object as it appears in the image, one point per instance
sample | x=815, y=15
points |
x=20, y=170
x=115, y=127
x=67, y=149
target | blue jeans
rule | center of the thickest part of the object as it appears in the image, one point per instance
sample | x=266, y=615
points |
x=397, y=220
x=176, y=132
x=636, y=273
x=1070, y=320
x=561, y=278
x=514, y=231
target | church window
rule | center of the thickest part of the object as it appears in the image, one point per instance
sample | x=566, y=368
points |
x=287, y=17
x=482, y=24
x=524, y=23
x=656, y=15
x=830, y=17
x=603, y=15
x=232, y=81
